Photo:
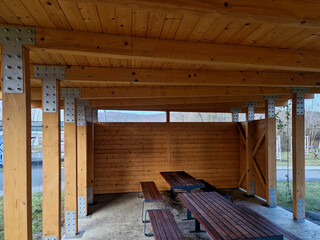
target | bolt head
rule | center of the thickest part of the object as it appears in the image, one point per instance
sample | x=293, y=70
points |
x=18, y=30
x=6, y=30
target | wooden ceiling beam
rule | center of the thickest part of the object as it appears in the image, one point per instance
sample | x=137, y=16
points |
x=138, y=92
x=183, y=52
x=173, y=103
x=285, y=12
x=181, y=91
x=179, y=109
x=189, y=77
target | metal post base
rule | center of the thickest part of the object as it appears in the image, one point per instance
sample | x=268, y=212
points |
x=197, y=227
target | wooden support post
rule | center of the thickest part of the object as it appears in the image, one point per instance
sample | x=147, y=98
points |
x=250, y=183
x=51, y=150
x=168, y=116
x=235, y=114
x=17, y=157
x=82, y=157
x=298, y=156
x=90, y=157
x=270, y=151
x=70, y=161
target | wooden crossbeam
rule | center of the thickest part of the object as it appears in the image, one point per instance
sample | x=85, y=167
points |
x=172, y=51
x=187, y=77
x=180, y=91
x=172, y=104
x=258, y=170
x=286, y=13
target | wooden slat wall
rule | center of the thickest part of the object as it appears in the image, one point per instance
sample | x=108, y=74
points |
x=259, y=129
x=126, y=153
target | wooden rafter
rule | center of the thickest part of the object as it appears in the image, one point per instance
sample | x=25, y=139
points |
x=187, y=77
x=286, y=13
x=172, y=51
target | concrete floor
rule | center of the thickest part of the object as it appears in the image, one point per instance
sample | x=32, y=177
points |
x=118, y=216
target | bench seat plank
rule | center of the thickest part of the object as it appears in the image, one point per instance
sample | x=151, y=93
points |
x=164, y=226
x=150, y=192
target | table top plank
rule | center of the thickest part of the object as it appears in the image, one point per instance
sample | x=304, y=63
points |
x=209, y=213
x=229, y=221
x=211, y=227
x=178, y=179
x=162, y=230
x=247, y=220
x=270, y=224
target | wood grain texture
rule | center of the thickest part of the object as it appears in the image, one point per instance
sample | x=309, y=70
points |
x=52, y=172
x=17, y=160
x=127, y=153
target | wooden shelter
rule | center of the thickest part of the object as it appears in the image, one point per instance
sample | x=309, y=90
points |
x=203, y=56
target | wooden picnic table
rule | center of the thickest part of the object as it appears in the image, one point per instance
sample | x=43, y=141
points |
x=224, y=220
x=182, y=180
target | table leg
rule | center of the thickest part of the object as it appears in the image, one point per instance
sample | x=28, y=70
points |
x=197, y=227
x=188, y=212
x=172, y=193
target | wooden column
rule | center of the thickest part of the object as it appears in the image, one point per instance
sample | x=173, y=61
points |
x=17, y=155
x=298, y=156
x=250, y=181
x=82, y=157
x=70, y=161
x=51, y=213
x=270, y=151
x=90, y=157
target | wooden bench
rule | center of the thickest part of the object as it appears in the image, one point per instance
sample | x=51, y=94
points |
x=163, y=225
x=150, y=193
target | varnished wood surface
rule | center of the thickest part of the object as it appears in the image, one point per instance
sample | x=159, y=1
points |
x=164, y=226
x=225, y=220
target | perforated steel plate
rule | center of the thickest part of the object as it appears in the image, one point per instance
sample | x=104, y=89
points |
x=70, y=223
x=12, y=39
x=82, y=205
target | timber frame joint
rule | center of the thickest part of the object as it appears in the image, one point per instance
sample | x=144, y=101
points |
x=300, y=98
x=49, y=77
x=235, y=114
x=69, y=95
x=251, y=105
x=12, y=39
x=95, y=115
x=89, y=117
x=81, y=117
x=271, y=105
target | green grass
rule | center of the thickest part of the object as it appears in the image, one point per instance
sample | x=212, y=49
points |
x=36, y=148
x=310, y=160
x=312, y=200
x=36, y=215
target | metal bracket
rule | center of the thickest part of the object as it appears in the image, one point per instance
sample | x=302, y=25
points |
x=271, y=105
x=89, y=116
x=51, y=238
x=272, y=197
x=70, y=223
x=82, y=205
x=300, y=99
x=49, y=77
x=235, y=114
x=251, y=188
x=300, y=209
x=251, y=105
x=95, y=115
x=69, y=95
x=12, y=39
x=81, y=104
x=89, y=194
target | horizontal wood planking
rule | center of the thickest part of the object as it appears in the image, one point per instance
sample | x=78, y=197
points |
x=126, y=153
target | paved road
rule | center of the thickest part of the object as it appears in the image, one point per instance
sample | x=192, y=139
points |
x=312, y=173
x=36, y=179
